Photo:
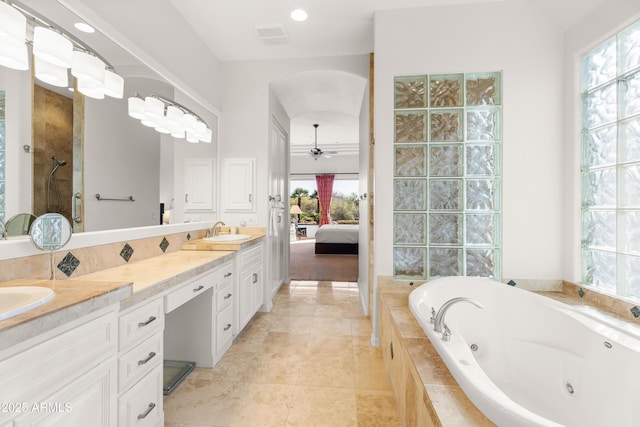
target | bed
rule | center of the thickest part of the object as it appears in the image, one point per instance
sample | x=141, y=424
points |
x=337, y=239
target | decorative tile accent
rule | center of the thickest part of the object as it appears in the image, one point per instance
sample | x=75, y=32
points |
x=188, y=236
x=68, y=264
x=635, y=311
x=581, y=292
x=126, y=252
x=511, y=283
x=411, y=160
x=411, y=126
x=445, y=90
x=446, y=125
x=410, y=92
x=164, y=244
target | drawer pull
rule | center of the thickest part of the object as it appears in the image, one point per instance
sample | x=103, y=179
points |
x=226, y=328
x=199, y=288
x=149, y=357
x=255, y=278
x=227, y=296
x=145, y=413
x=143, y=324
x=228, y=274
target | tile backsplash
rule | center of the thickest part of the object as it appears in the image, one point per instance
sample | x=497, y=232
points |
x=73, y=263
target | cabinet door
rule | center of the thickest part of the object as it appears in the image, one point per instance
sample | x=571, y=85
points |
x=245, y=297
x=238, y=185
x=90, y=400
x=198, y=184
x=257, y=287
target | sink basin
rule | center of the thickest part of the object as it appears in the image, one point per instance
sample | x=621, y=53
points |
x=16, y=300
x=228, y=238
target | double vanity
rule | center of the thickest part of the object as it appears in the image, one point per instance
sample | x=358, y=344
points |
x=93, y=354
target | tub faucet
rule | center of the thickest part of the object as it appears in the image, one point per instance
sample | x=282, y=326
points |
x=215, y=230
x=439, y=325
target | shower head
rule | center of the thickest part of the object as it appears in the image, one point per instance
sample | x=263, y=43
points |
x=58, y=162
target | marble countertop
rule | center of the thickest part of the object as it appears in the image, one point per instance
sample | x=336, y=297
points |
x=155, y=275
x=72, y=299
x=204, y=245
x=127, y=285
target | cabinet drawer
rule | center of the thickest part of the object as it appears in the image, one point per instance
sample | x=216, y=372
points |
x=251, y=256
x=224, y=297
x=224, y=321
x=189, y=290
x=226, y=274
x=140, y=323
x=136, y=363
x=142, y=405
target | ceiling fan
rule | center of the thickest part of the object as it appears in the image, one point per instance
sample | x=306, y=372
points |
x=315, y=152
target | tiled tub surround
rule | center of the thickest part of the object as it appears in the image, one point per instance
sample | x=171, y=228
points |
x=440, y=399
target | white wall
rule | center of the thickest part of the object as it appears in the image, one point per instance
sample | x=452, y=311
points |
x=341, y=163
x=245, y=100
x=511, y=37
x=602, y=23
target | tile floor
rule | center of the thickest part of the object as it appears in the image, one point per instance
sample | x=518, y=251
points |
x=307, y=363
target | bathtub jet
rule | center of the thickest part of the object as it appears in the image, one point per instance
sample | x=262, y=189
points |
x=529, y=360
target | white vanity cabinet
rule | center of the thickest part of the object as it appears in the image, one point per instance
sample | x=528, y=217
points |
x=65, y=376
x=251, y=283
x=224, y=306
x=140, y=367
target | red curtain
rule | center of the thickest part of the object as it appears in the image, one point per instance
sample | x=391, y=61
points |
x=325, y=190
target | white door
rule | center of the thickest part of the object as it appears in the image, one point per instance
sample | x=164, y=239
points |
x=278, y=253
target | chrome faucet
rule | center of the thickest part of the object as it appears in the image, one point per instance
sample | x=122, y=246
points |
x=439, y=325
x=215, y=230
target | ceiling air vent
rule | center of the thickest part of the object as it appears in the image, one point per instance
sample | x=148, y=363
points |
x=271, y=34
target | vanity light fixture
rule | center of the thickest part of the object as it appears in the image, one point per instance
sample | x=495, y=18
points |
x=169, y=117
x=53, y=47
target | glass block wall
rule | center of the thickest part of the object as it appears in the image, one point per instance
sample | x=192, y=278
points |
x=447, y=145
x=610, y=83
x=2, y=159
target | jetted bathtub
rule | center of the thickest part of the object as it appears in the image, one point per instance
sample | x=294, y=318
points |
x=528, y=360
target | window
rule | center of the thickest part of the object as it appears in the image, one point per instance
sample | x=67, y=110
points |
x=344, y=202
x=447, y=173
x=610, y=169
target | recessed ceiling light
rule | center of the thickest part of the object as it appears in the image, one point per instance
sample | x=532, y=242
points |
x=84, y=27
x=299, y=15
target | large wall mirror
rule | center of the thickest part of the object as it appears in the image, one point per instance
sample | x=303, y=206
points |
x=62, y=149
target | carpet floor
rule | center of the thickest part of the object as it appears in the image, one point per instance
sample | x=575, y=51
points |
x=306, y=265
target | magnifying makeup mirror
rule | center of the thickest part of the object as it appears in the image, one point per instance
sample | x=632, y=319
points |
x=50, y=232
